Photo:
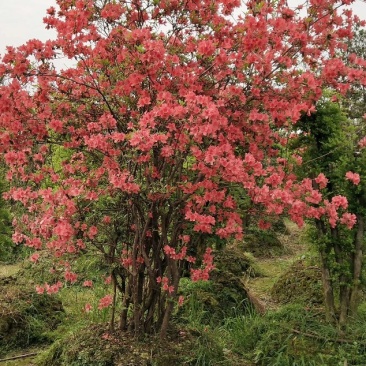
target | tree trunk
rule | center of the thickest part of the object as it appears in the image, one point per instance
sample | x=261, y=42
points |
x=166, y=319
x=111, y=324
x=326, y=277
x=357, y=264
x=170, y=299
x=344, y=301
x=344, y=290
x=327, y=289
x=151, y=309
x=125, y=305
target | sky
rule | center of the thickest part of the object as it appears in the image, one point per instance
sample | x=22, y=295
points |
x=21, y=20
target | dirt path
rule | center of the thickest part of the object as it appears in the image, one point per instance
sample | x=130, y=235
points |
x=272, y=268
x=21, y=358
x=7, y=270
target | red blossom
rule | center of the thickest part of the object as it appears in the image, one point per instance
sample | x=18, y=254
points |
x=348, y=219
x=264, y=225
x=40, y=290
x=362, y=142
x=180, y=300
x=154, y=136
x=93, y=231
x=54, y=288
x=321, y=180
x=353, y=177
x=108, y=280
x=70, y=276
x=340, y=201
x=34, y=257
x=105, y=302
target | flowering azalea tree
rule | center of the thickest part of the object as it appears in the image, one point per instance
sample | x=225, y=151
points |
x=134, y=150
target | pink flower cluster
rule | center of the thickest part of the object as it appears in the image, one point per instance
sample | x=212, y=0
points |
x=34, y=257
x=322, y=180
x=353, y=177
x=70, y=276
x=348, y=219
x=171, y=253
x=50, y=289
x=105, y=301
x=204, y=273
x=165, y=284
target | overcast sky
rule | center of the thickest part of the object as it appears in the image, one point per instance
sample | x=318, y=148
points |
x=22, y=20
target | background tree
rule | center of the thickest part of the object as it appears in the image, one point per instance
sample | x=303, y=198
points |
x=331, y=158
x=136, y=148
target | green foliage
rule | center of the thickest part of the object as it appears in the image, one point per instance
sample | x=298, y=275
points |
x=208, y=350
x=81, y=348
x=233, y=260
x=87, y=266
x=8, y=251
x=327, y=146
x=262, y=243
x=74, y=297
x=216, y=331
x=330, y=142
x=294, y=336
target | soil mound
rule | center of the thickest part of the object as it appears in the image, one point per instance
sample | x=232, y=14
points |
x=300, y=284
x=25, y=316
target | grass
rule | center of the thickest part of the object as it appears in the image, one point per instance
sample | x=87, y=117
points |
x=292, y=336
x=285, y=335
x=74, y=301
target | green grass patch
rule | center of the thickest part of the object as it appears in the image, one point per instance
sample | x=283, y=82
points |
x=294, y=336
